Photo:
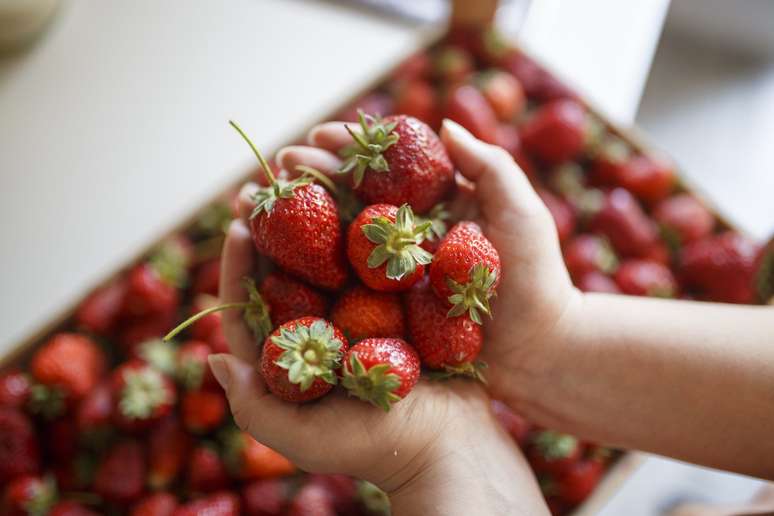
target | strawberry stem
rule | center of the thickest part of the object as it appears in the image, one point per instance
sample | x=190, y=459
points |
x=316, y=174
x=261, y=159
x=204, y=313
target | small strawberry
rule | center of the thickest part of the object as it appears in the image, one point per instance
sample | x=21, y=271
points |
x=203, y=410
x=288, y=298
x=191, y=368
x=296, y=224
x=451, y=343
x=374, y=102
x=247, y=459
x=586, y=253
x=265, y=497
x=646, y=278
x=562, y=212
x=19, y=449
x=120, y=477
x=142, y=395
x=69, y=362
x=361, y=313
x=466, y=271
x=312, y=499
x=381, y=371
x=620, y=218
x=553, y=452
x=168, y=448
x=683, y=218
x=70, y=508
x=514, y=424
x=28, y=495
x=100, y=311
x=594, y=281
x=452, y=64
x=203, y=329
x=417, y=99
x=383, y=247
x=398, y=160
x=206, y=470
x=608, y=160
x=156, y=504
x=503, y=92
x=207, y=278
x=14, y=388
x=578, y=481
x=224, y=503
x=650, y=179
x=556, y=132
x=467, y=106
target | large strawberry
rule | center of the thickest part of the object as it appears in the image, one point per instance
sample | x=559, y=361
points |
x=361, y=313
x=142, y=395
x=383, y=246
x=168, y=448
x=586, y=253
x=380, y=371
x=19, y=449
x=120, y=477
x=650, y=179
x=557, y=131
x=466, y=271
x=467, y=106
x=288, y=298
x=620, y=218
x=224, y=503
x=296, y=224
x=398, y=160
x=646, y=278
x=28, y=495
x=69, y=362
x=683, y=218
x=301, y=357
x=247, y=459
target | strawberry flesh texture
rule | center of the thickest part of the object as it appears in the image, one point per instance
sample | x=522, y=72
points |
x=19, y=449
x=71, y=362
x=401, y=357
x=289, y=299
x=120, y=477
x=649, y=179
x=685, y=217
x=96, y=409
x=556, y=132
x=645, y=278
x=623, y=222
x=361, y=313
x=467, y=106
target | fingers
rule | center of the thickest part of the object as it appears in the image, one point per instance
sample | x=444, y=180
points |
x=245, y=201
x=332, y=136
x=323, y=160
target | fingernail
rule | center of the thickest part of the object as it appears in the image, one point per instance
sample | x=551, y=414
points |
x=220, y=369
x=455, y=129
x=280, y=156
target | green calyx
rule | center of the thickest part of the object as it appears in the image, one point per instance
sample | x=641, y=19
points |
x=397, y=243
x=310, y=352
x=170, y=261
x=474, y=370
x=437, y=219
x=555, y=445
x=160, y=354
x=143, y=392
x=473, y=296
x=367, y=150
x=607, y=261
x=43, y=498
x=375, y=385
x=375, y=500
x=266, y=197
x=46, y=401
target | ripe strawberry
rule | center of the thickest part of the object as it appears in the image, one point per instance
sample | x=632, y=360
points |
x=621, y=219
x=203, y=410
x=142, y=395
x=553, y=452
x=265, y=497
x=467, y=106
x=398, y=160
x=649, y=179
x=207, y=327
x=28, y=495
x=451, y=343
x=645, y=278
x=466, y=271
x=556, y=132
x=206, y=470
x=14, y=388
x=578, y=481
x=95, y=411
x=224, y=503
x=134, y=331
x=374, y=102
x=721, y=267
x=417, y=99
x=609, y=158
x=683, y=218
x=156, y=504
x=537, y=82
x=19, y=450
x=120, y=477
x=289, y=298
x=207, y=278
x=562, y=212
x=514, y=424
x=343, y=491
x=191, y=368
x=168, y=448
x=383, y=247
x=361, y=313
x=296, y=224
x=153, y=285
x=70, y=362
x=659, y=253
x=247, y=459
x=381, y=371
x=416, y=66
x=452, y=64
x=100, y=311
x=312, y=499
x=503, y=92
x=585, y=253
x=594, y=281
x=70, y=508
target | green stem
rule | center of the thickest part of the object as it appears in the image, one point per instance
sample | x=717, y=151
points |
x=204, y=313
x=261, y=159
x=325, y=180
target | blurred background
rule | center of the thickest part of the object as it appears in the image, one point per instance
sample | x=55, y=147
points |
x=113, y=122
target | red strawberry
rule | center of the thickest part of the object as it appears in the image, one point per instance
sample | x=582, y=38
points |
x=343, y=491
x=209, y=326
x=207, y=278
x=289, y=298
x=562, y=212
x=247, y=459
x=157, y=504
x=594, y=281
x=70, y=362
x=168, y=448
x=553, y=452
x=374, y=102
x=417, y=99
x=100, y=311
x=537, y=82
x=134, y=332
x=398, y=160
x=383, y=247
x=120, y=477
x=19, y=450
x=362, y=313
x=206, y=470
x=683, y=218
x=14, y=388
x=224, y=503
x=296, y=224
x=28, y=495
x=451, y=343
x=142, y=395
x=621, y=219
x=452, y=64
x=70, y=508
x=415, y=66
x=586, y=253
x=265, y=497
x=192, y=369
x=514, y=424
x=722, y=267
x=649, y=179
x=95, y=411
x=646, y=278
x=203, y=410
x=609, y=159
x=312, y=500
x=503, y=92
x=466, y=271
x=578, y=481
x=659, y=253
x=150, y=293
x=468, y=107
x=380, y=371
x=556, y=132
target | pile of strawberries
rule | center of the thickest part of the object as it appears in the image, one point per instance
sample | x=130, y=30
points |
x=370, y=283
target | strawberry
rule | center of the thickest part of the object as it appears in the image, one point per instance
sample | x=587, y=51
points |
x=69, y=362
x=503, y=92
x=561, y=211
x=553, y=452
x=70, y=508
x=191, y=368
x=594, y=281
x=646, y=278
x=556, y=132
x=203, y=410
x=265, y=497
x=208, y=327
x=142, y=395
x=452, y=64
x=14, y=388
x=451, y=343
x=296, y=224
x=100, y=311
x=343, y=491
x=374, y=102
x=168, y=448
x=683, y=218
x=466, y=271
x=95, y=411
x=417, y=99
x=721, y=267
x=156, y=504
x=537, y=82
x=381, y=371
x=398, y=160
x=159, y=354
x=620, y=218
x=207, y=278
x=467, y=106
x=609, y=158
x=416, y=66
x=650, y=179
x=361, y=313
x=383, y=247
x=514, y=424
x=247, y=459
x=312, y=500
x=120, y=477
x=19, y=449
x=206, y=470
x=28, y=495
x=135, y=331
x=437, y=229
x=60, y=438
x=289, y=298
x=578, y=481
x=224, y=503
x=585, y=253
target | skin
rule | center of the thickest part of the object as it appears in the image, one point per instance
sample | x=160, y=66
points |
x=696, y=386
